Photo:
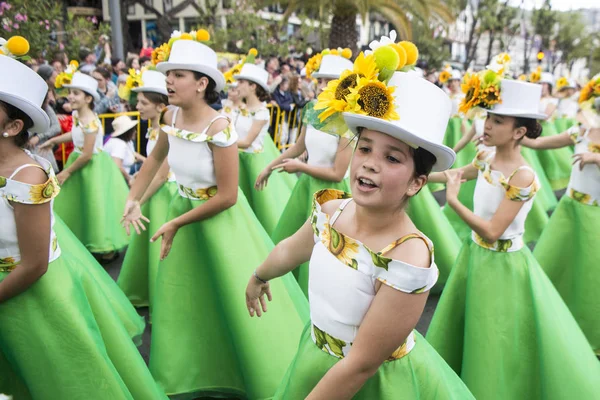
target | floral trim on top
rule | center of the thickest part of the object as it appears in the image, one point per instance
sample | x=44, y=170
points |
x=198, y=194
x=354, y=254
x=513, y=193
x=582, y=198
x=152, y=134
x=577, y=137
x=91, y=128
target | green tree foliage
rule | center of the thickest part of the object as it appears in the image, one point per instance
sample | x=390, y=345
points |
x=81, y=33
x=432, y=49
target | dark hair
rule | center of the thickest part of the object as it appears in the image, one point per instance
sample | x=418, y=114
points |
x=13, y=114
x=92, y=104
x=156, y=98
x=143, y=59
x=114, y=61
x=106, y=74
x=423, y=160
x=129, y=135
x=130, y=61
x=60, y=104
x=211, y=96
x=534, y=128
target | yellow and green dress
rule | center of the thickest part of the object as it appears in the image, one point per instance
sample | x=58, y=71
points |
x=500, y=323
x=343, y=277
x=268, y=204
x=568, y=248
x=92, y=200
x=72, y=334
x=204, y=344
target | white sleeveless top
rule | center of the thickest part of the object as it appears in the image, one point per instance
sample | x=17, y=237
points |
x=152, y=136
x=19, y=192
x=243, y=123
x=456, y=99
x=545, y=102
x=491, y=189
x=343, y=276
x=191, y=158
x=567, y=108
x=123, y=150
x=78, y=132
x=584, y=185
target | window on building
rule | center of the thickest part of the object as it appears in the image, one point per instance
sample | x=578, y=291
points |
x=131, y=9
x=167, y=5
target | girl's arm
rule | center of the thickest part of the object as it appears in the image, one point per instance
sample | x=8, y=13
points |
x=548, y=142
x=489, y=230
x=467, y=136
x=119, y=163
x=469, y=172
x=292, y=152
x=89, y=141
x=332, y=174
x=550, y=108
x=255, y=129
x=226, y=173
x=50, y=143
x=139, y=157
x=390, y=319
x=286, y=256
x=159, y=179
x=33, y=235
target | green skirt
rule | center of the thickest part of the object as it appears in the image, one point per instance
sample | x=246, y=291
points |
x=568, y=253
x=562, y=124
x=426, y=214
x=502, y=326
x=268, y=204
x=91, y=203
x=421, y=374
x=204, y=344
x=556, y=162
x=297, y=211
x=140, y=266
x=69, y=336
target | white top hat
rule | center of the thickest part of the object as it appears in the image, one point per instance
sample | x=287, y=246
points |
x=456, y=75
x=122, y=124
x=85, y=83
x=519, y=99
x=418, y=126
x=24, y=89
x=571, y=84
x=332, y=67
x=193, y=56
x=547, y=77
x=152, y=81
x=255, y=74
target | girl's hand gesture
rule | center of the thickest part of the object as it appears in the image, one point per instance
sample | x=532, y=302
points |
x=289, y=165
x=586, y=158
x=133, y=216
x=454, y=180
x=255, y=293
x=262, y=179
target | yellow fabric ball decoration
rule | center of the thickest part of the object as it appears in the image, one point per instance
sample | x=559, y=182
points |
x=74, y=64
x=326, y=52
x=401, y=54
x=186, y=36
x=253, y=52
x=202, y=35
x=386, y=58
x=1, y=52
x=412, y=52
x=347, y=53
x=18, y=45
x=334, y=52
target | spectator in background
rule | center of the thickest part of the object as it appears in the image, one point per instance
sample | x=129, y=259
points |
x=49, y=74
x=283, y=98
x=272, y=68
x=297, y=96
x=223, y=66
x=145, y=61
x=109, y=97
x=58, y=64
x=88, y=61
x=118, y=68
x=65, y=119
x=307, y=86
x=146, y=48
x=102, y=50
x=133, y=62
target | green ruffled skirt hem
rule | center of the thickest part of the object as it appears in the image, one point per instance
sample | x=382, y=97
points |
x=268, y=204
x=203, y=341
x=91, y=203
x=69, y=336
x=502, y=326
x=421, y=374
x=297, y=211
x=568, y=253
x=140, y=266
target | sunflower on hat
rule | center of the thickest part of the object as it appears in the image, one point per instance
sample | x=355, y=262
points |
x=536, y=75
x=237, y=68
x=65, y=77
x=162, y=52
x=483, y=89
x=590, y=91
x=446, y=74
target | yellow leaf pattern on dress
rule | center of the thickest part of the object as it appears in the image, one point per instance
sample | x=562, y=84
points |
x=43, y=193
x=199, y=194
x=342, y=247
x=7, y=264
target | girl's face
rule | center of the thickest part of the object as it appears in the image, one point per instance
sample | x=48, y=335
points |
x=58, y=66
x=382, y=171
x=245, y=88
x=100, y=79
x=322, y=84
x=499, y=130
x=545, y=89
x=135, y=63
x=233, y=94
x=284, y=86
x=183, y=88
x=454, y=85
x=147, y=109
x=78, y=99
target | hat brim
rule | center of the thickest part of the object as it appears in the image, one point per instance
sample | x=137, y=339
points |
x=513, y=112
x=213, y=73
x=444, y=155
x=251, y=79
x=95, y=95
x=125, y=129
x=317, y=75
x=151, y=90
x=40, y=119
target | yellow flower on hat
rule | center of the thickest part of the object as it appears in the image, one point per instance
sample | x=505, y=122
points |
x=134, y=79
x=160, y=54
x=18, y=46
x=561, y=82
x=202, y=35
x=412, y=52
x=253, y=52
x=591, y=90
x=444, y=76
x=373, y=98
x=74, y=64
x=313, y=64
x=536, y=75
x=471, y=88
x=346, y=53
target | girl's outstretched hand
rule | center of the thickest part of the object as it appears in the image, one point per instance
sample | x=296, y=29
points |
x=255, y=294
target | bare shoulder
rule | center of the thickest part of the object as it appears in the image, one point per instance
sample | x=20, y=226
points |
x=413, y=251
x=524, y=177
x=31, y=176
x=331, y=206
x=218, y=125
x=167, y=116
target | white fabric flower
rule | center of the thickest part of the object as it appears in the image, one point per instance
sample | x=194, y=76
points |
x=193, y=33
x=175, y=34
x=384, y=41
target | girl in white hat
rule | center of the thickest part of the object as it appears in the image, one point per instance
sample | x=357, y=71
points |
x=139, y=270
x=66, y=329
x=500, y=323
x=371, y=268
x=93, y=189
x=120, y=145
x=203, y=343
x=257, y=149
x=568, y=106
x=568, y=249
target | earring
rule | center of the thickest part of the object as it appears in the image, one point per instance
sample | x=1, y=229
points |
x=5, y=134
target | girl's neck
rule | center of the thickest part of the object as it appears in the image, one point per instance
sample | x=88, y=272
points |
x=253, y=102
x=194, y=114
x=154, y=122
x=8, y=150
x=238, y=103
x=372, y=221
x=85, y=112
x=507, y=153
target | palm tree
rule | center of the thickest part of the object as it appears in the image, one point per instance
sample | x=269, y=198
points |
x=344, y=32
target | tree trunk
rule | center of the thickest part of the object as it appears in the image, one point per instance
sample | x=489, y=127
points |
x=490, y=47
x=344, y=31
x=128, y=46
x=472, y=42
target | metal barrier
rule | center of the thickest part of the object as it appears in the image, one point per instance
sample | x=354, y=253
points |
x=282, y=128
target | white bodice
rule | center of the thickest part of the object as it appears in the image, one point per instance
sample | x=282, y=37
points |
x=78, y=132
x=322, y=147
x=19, y=192
x=456, y=99
x=491, y=189
x=546, y=101
x=123, y=150
x=567, y=108
x=584, y=185
x=229, y=109
x=152, y=136
x=191, y=158
x=243, y=123
x=343, y=276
